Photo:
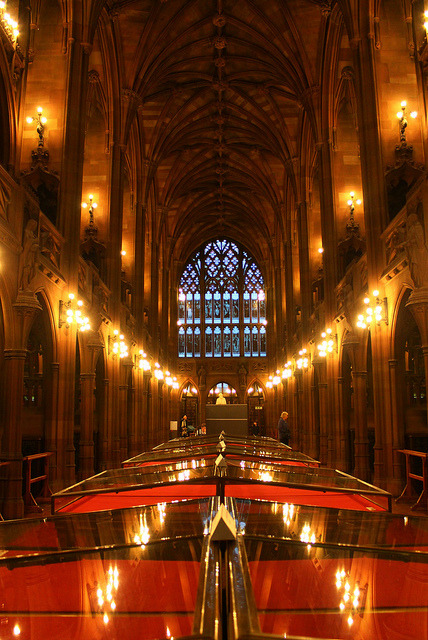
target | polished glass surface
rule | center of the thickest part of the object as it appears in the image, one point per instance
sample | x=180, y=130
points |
x=344, y=528
x=315, y=477
x=117, y=528
x=134, y=477
x=325, y=591
x=184, y=443
x=145, y=591
x=248, y=450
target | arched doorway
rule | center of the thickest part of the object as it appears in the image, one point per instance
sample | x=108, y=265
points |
x=189, y=403
x=256, y=410
x=229, y=393
x=411, y=383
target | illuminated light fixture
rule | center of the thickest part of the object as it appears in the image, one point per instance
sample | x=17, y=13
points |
x=16, y=630
x=303, y=361
x=352, y=202
x=40, y=125
x=287, y=371
x=169, y=381
x=269, y=383
x=92, y=205
x=328, y=343
x=264, y=322
x=9, y=24
x=426, y=20
x=123, y=252
x=402, y=120
x=117, y=345
x=376, y=311
x=159, y=374
x=70, y=312
x=276, y=380
x=321, y=250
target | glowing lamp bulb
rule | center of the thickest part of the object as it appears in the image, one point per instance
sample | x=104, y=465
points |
x=29, y=119
x=399, y=114
x=403, y=103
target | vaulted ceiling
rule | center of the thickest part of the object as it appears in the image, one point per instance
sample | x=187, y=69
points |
x=227, y=94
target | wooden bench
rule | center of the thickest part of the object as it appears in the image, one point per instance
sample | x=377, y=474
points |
x=408, y=491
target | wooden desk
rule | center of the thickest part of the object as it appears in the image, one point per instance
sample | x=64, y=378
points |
x=422, y=501
x=29, y=500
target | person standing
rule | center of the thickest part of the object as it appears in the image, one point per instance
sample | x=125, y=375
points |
x=284, y=432
x=184, y=429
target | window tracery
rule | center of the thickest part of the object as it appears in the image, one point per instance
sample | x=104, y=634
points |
x=221, y=304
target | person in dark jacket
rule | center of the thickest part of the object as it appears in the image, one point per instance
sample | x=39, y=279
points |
x=255, y=429
x=284, y=432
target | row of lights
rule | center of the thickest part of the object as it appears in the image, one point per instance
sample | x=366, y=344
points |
x=376, y=311
x=9, y=24
x=71, y=313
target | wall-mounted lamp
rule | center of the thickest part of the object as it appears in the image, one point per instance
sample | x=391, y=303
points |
x=402, y=120
x=352, y=202
x=276, y=378
x=287, y=371
x=92, y=205
x=159, y=375
x=40, y=125
x=117, y=345
x=9, y=24
x=328, y=344
x=303, y=361
x=143, y=362
x=376, y=311
x=70, y=312
x=321, y=250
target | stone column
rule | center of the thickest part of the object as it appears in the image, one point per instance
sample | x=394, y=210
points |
x=26, y=307
x=361, y=444
x=14, y=361
x=87, y=406
x=324, y=430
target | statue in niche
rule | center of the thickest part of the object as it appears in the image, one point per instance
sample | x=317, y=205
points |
x=413, y=241
x=242, y=373
x=29, y=259
x=202, y=376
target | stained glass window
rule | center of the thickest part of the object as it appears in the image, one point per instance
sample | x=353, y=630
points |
x=221, y=304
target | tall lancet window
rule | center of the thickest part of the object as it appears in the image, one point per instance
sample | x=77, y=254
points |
x=221, y=304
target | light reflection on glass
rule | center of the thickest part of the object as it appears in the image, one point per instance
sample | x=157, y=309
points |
x=184, y=475
x=143, y=535
x=352, y=597
x=307, y=536
x=287, y=513
x=161, y=508
x=264, y=476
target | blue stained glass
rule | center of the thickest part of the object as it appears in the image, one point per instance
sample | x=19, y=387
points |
x=217, y=342
x=222, y=286
x=226, y=342
x=235, y=341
